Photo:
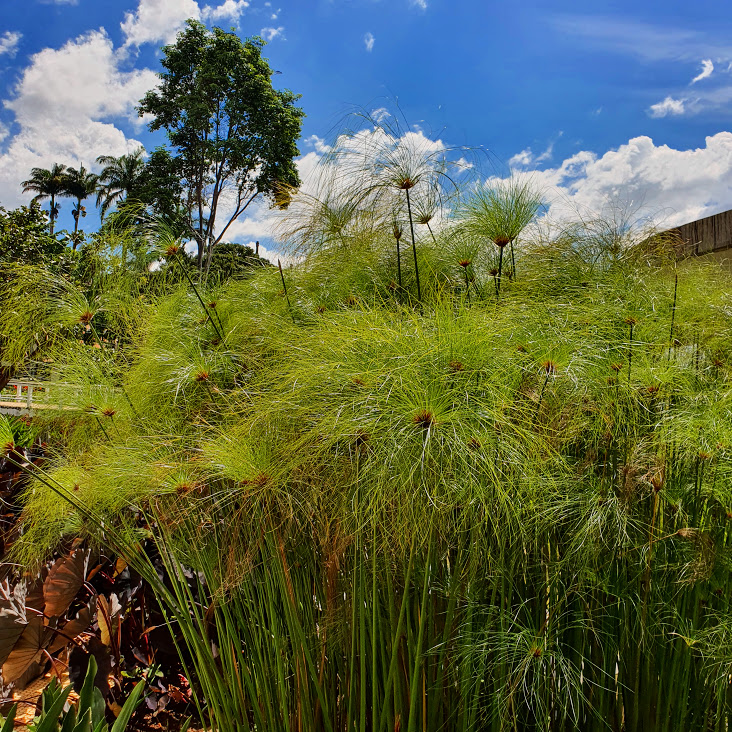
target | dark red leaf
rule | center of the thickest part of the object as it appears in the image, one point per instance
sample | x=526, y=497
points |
x=10, y=630
x=27, y=649
x=63, y=582
x=73, y=628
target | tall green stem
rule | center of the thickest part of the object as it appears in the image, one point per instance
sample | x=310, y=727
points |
x=414, y=246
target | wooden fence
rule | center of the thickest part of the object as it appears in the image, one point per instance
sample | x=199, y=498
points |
x=705, y=236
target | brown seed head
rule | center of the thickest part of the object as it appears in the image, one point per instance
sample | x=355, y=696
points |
x=456, y=366
x=501, y=241
x=260, y=480
x=212, y=305
x=536, y=653
x=630, y=320
x=704, y=455
x=493, y=271
x=718, y=363
x=184, y=487
x=424, y=418
x=86, y=317
x=320, y=309
x=612, y=381
x=549, y=367
x=653, y=389
x=109, y=412
x=474, y=444
x=521, y=349
x=201, y=376
x=465, y=263
x=616, y=367
x=171, y=251
x=406, y=183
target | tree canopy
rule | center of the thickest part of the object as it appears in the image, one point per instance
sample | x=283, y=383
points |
x=47, y=183
x=24, y=237
x=232, y=133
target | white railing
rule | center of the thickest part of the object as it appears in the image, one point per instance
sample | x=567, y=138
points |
x=27, y=395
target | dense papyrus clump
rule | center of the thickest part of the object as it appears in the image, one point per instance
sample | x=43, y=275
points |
x=384, y=507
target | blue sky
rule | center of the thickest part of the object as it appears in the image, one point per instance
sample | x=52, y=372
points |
x=601, y=101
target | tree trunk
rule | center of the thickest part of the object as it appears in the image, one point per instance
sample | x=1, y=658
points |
x=76, y=218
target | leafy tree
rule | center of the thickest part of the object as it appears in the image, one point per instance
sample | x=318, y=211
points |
x=233, y=134
x=234, y=261
x=47, y=184
x=24, y=237
x=79, y=184
x=159, y=188
x=119, y=178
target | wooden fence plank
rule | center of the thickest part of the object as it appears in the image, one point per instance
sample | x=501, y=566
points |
x=710, y=234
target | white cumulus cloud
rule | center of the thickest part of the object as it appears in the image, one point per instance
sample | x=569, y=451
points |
x=526, y=157
x=669, y=106
x=669, y=185
x=230, y=9
x=270, y=34
x=156, y=21
x=521, y=159
x=9, y=43
x=369, y=41
x=706, y=72
x=64, y=104
x=419, y=4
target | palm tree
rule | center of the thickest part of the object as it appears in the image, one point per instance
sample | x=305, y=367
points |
x=119, y=178
x=47, y=184
x=79, y=184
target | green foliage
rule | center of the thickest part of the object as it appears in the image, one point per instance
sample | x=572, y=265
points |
x=47, y=184
x=370, y=494
x=159, y=186
x=86, y=715
x=24, y=237
x=119, y=178
x=477, y=517
x=230, y=129
x=16, y=433
x=79, y=184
